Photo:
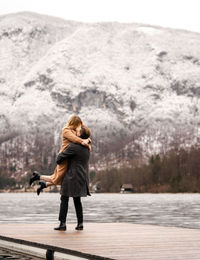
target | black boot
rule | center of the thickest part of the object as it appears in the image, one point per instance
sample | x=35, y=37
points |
x=35, y=177
x=79, y=226
x=43, y=185
x=61, y=227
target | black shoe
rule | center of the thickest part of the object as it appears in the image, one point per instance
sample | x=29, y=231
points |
x=61, y=227
x=35, y=177
x=43, y=185
x=79, y=226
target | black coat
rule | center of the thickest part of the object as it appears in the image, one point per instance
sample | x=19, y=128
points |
x=76, y=180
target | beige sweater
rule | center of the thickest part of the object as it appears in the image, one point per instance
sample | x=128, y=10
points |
x=68, y=135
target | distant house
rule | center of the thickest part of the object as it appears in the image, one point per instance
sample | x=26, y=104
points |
x=126, y=188
x=96, y=187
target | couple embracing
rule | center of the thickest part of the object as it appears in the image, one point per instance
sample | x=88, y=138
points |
x=71, y=171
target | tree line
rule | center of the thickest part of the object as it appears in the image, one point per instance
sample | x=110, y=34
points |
x=178, y=170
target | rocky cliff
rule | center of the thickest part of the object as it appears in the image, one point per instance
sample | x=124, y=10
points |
x=136, y=86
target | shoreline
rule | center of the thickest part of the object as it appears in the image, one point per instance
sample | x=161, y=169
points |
x=58, y=191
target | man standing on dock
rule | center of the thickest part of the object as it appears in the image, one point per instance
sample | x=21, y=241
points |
x=76, y=181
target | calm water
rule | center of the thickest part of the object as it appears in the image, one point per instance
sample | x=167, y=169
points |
x=180, y=210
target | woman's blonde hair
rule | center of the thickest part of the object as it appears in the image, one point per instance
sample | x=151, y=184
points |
x=74, y=122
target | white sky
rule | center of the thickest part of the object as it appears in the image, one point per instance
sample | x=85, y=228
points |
x=183, y=14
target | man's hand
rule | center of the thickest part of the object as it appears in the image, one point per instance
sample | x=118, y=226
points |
x=86, y=142
x=90, y=148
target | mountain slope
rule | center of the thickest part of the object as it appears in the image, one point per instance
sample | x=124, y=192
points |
x=137, y=86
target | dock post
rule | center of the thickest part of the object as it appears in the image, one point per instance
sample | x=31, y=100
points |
x=49, y=254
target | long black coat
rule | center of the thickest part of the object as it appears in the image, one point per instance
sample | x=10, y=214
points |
x=76, y=180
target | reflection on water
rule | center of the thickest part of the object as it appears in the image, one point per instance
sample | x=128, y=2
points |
x=181, y=210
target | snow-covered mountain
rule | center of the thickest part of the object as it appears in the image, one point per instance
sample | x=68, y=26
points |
x=137, y=86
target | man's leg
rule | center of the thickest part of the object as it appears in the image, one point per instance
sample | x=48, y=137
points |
x=63, y=213
x=79, y=212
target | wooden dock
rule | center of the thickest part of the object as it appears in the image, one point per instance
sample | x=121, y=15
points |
x=121, y=241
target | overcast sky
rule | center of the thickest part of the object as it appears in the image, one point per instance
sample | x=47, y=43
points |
x=183, y=14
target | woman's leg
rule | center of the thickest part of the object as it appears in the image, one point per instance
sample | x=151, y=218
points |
x=49, y=184
x=46, y=178
x=43, y=185
x=36, y=177
x=79, y=209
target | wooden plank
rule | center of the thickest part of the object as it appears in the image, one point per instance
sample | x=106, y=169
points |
x=121, y=241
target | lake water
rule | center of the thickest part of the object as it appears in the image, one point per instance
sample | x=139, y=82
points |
x=180, y=210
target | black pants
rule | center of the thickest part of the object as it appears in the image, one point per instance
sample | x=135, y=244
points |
x=64, y=209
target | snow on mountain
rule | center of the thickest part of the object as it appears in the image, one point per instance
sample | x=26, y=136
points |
x=137, y=86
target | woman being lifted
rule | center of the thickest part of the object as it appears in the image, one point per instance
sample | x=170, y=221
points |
x=68, y=135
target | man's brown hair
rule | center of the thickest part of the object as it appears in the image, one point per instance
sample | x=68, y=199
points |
x=85, y=132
